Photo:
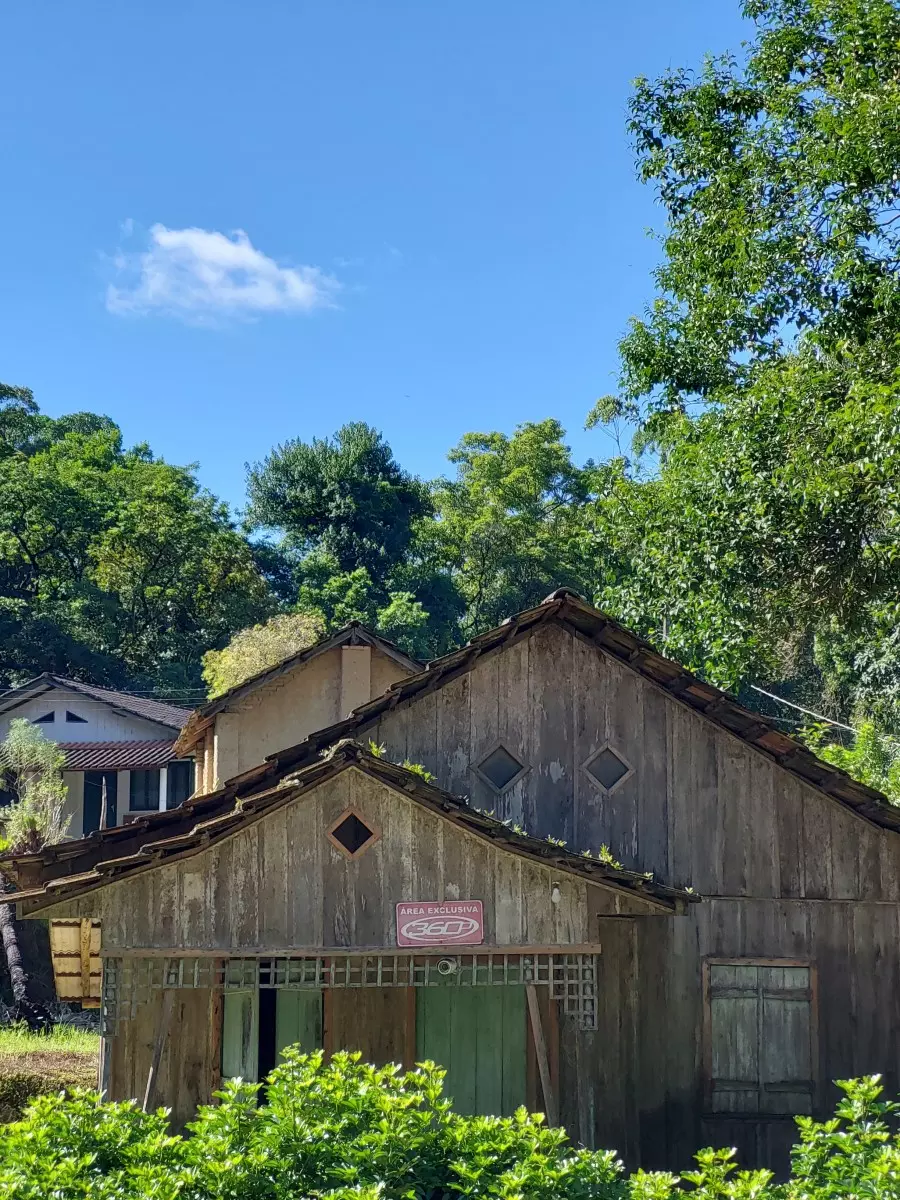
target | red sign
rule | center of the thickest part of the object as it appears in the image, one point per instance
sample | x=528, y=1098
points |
x=440, y=923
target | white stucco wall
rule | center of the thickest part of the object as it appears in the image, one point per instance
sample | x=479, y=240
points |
x=101, y=723
x=314, y=695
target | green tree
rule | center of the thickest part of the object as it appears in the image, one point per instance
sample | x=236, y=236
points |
x=253, y=650
x=509, y=527
x=761, y=534
x=871, y=757
x=348, y=516
x=114, y=565
x=345, y=496
x=31, y=772
x=780, y=184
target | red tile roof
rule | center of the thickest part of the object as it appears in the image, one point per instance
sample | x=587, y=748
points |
x=116, y=756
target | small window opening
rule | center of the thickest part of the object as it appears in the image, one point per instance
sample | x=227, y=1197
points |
x=607, y=768
x=46, y=719
x=351, y=834
x=500, y=768
x=74, y=719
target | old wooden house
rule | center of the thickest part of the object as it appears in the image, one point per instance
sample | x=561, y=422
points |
x=619, y=897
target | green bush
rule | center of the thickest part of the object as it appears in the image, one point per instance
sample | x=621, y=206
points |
x=346, y=1129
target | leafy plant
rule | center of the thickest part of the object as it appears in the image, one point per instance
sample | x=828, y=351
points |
x=253, y=650
x=348, y=1129
x=873, y=757
x=31, y=769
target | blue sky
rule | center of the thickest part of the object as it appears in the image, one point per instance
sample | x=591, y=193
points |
x=442, y=230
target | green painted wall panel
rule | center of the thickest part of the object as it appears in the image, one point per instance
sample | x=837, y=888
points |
x=298, y=1019
x=478, y=1035
x=240, y=1036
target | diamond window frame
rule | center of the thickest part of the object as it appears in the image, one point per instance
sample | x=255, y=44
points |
x=492, y=749
x=629, y=769
x=352, y=811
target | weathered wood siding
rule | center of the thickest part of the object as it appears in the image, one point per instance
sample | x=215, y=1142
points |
x=701, y=808
x=785, y=872
x=281, y=883
x=642, y=1089
x=189, y=1069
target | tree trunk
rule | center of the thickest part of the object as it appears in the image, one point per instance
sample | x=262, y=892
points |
x=10, y=938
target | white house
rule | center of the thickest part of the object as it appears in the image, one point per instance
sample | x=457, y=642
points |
x=126, y=741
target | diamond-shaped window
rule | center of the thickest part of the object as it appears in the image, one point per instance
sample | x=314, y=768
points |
x=500, y=769
x=607, y=768
x=351, y=834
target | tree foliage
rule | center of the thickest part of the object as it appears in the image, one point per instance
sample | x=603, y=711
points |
x=761, y=538
x=345, y=497
x=31, y=767
x=253, y=650
x=872, y=756
x=350, y=1131
x=114, y=565
x=510, y=525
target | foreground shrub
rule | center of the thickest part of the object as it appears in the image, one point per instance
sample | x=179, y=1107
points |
x=346, y=1129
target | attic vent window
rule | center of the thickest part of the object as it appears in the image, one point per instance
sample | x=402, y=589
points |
x=608, y=769
x=47, y=719
x=500, y=769
x=74, y=719
x=351, y=834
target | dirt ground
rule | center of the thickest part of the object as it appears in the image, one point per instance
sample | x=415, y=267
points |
x=23, y=1075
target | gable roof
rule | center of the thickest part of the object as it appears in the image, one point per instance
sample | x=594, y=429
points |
x=565, y=608
x=73, y=868
x=353, y=634
x=158, y=711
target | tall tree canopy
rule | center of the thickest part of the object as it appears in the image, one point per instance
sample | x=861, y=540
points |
x=348, y=514
x=509, y=526
x=114, y=565
x=764, y=376
x=345, y=496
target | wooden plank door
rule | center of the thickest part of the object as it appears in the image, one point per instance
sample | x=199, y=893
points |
x=298, y=1019
x=478, y=1035
x=380, y=1022
x=240, y=1036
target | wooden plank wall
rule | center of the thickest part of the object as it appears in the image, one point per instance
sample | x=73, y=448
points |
x=784, y=871
x=281, y=883
x=637, y=1083
x=189, y=1069
x=701, y=809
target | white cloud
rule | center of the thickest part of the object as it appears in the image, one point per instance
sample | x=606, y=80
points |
x=201, y=275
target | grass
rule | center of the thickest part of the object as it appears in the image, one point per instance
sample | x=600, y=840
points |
x=31, y=1063
x=17, y=1040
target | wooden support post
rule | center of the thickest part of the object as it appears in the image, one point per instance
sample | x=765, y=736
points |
x=85, y=947
x=162, y=1029
x=540, y=1051
x=216, y=1020
x=103, y=1067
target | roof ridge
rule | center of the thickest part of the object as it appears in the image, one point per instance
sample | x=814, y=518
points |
x=147, y=849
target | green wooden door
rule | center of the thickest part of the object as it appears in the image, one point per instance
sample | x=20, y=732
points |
x=478, y=1035
x=240, y=1036
x=298, y=1019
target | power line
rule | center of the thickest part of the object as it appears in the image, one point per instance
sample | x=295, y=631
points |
x=807, y=711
